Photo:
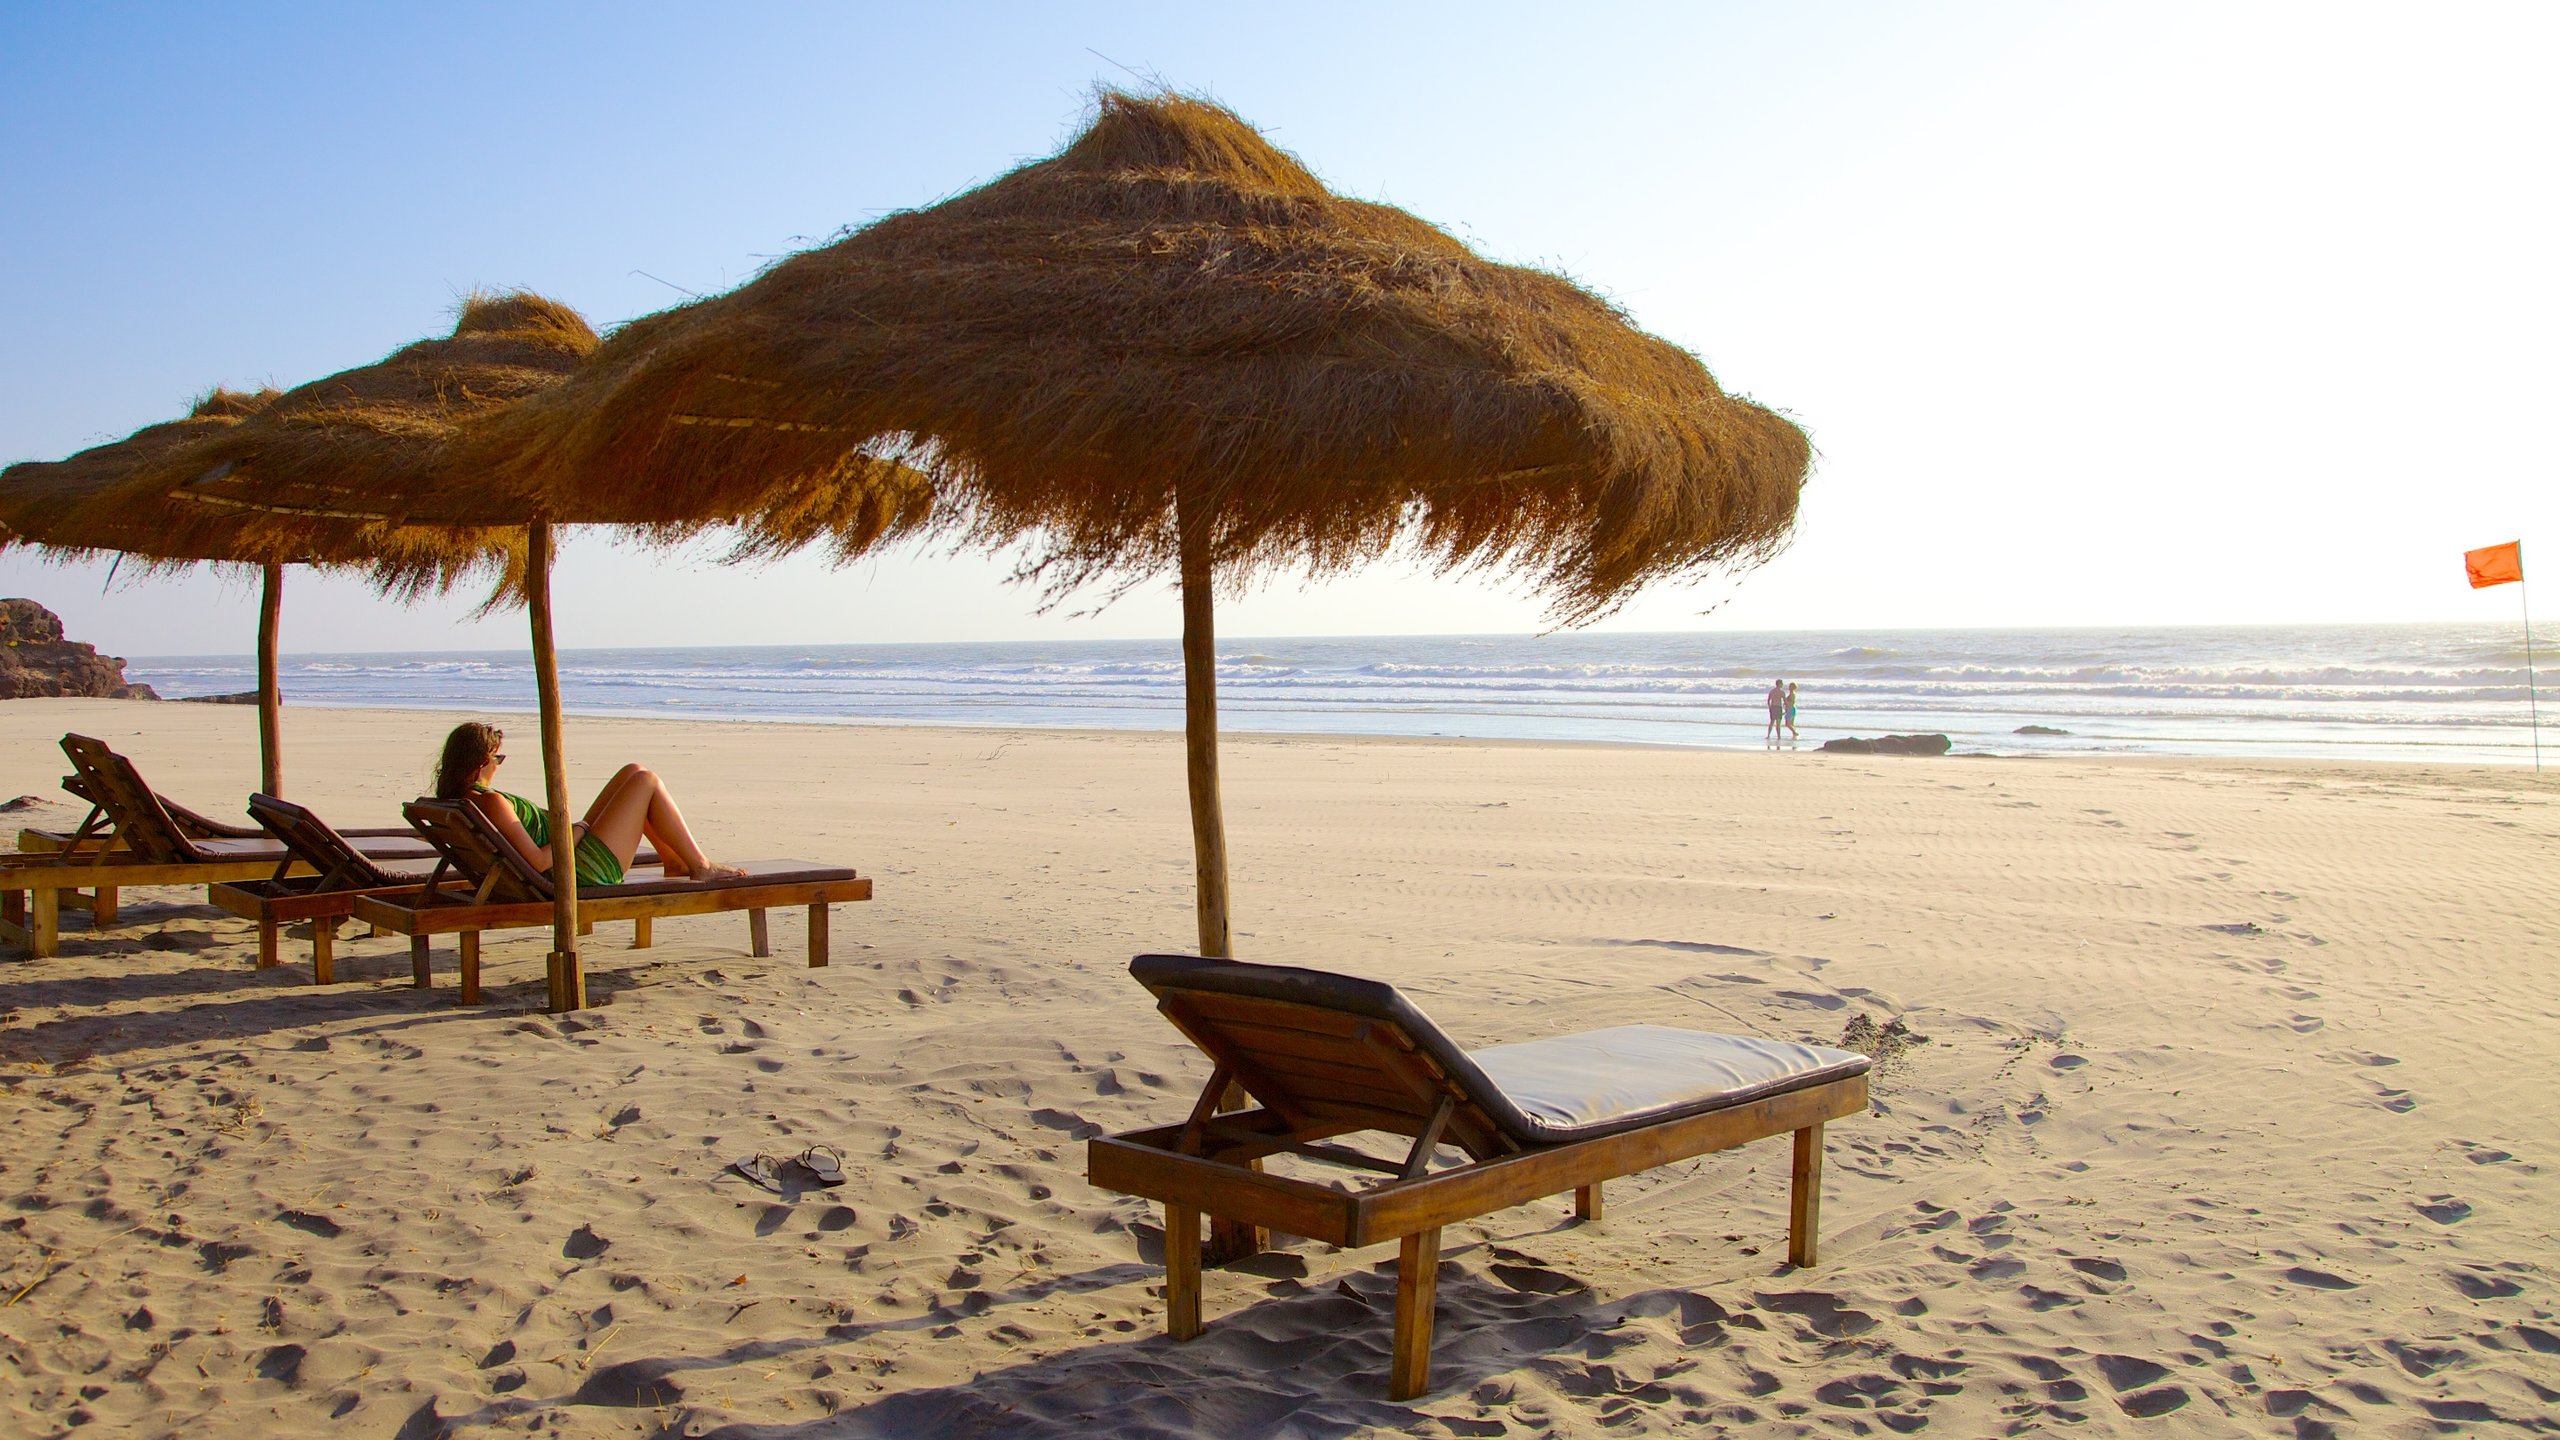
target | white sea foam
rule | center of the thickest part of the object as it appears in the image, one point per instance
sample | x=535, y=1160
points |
x=2435, y=692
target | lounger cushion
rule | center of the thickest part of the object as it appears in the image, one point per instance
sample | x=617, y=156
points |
x=414, y=847
x=759, y=872
x=1573, y=1087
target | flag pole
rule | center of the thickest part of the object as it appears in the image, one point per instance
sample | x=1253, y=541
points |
x=2532, y=707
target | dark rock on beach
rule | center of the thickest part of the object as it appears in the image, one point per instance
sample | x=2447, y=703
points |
x=245, y=697
x=1890, y=745
x=36, y=661
x=2038, y=730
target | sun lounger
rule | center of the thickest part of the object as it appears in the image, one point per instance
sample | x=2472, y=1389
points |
x=338, y=872
x=494, y=889
x=1329, y=1055
x=132, y=837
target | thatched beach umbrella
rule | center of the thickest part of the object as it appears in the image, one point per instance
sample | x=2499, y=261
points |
x=1171, y=348
x=343, y=457
x=102, y=501
x=382, y=446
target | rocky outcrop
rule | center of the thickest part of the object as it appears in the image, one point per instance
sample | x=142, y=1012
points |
x=35, y=659
x=1890, y=745
x=244, y=697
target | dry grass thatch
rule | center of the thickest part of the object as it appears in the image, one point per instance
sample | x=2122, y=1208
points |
x=96, y=503
x=370, y=445
x=46, y=502
x=1174, y=315
x=329, y=471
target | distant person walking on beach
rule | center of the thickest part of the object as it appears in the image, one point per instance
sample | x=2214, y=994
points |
x=1777, y=709
x=1791, y=710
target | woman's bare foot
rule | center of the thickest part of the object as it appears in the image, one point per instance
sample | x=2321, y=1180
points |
x=709, y=870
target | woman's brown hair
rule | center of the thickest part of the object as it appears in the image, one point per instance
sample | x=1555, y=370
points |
x=466, y=750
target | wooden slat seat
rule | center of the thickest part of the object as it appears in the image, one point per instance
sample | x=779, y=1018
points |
x=493, y=888
x=338, y=872
x=133, y=836
x=1329, y=1055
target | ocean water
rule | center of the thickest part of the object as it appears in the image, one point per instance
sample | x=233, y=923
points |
x=2443, y=693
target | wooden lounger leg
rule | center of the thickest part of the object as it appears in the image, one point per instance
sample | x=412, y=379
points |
x=1181, y=1271
x=270, y=945
x=44, y=924
x=13, y=918
x=102, y=908
x=1234, y=1240
x=817, y=936
x=1804, y=1209
x=470, y=943
x=418, y=973
x=1586, y=1201
x=759, y=942
x=643, y=932
x=324, y=944
x=1417, y=1294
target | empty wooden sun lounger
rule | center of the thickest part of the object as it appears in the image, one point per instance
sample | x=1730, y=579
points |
x=132, y=838
x=483, y=884
x=338, y=872
x=1329, y=1055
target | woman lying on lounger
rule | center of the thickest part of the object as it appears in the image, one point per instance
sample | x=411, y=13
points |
x=634, y=805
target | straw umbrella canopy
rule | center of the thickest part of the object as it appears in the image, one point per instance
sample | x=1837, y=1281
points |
x=1170, y=347
x=382, y=446
x=341, y=457
x=102, y=501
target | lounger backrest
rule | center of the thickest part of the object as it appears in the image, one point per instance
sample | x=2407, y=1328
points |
x=142, y=823
x=1313, y=1047
x=311, y=841
x=190, y=824
x=477, y=853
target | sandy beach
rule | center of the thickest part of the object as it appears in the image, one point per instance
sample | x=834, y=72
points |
x=2232, y=1118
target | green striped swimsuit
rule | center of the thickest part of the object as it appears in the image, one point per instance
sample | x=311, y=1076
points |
x=595, y=860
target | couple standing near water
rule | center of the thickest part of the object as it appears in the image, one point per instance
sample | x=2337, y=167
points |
x=1782, y=709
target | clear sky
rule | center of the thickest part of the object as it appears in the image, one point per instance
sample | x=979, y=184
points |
x=2098, y=314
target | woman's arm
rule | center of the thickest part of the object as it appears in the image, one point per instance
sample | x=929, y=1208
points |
x=498, y=812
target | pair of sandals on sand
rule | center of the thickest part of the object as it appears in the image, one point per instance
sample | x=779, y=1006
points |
x=822, y=1164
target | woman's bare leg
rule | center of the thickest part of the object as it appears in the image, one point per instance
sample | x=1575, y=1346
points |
x=634, y=805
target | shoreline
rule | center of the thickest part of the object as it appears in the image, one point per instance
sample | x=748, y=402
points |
x=434, y=721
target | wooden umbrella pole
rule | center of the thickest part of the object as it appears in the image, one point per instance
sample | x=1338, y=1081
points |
x=270, y=693
x=568, y=979
x=1229, y=1240
x=1200, y=733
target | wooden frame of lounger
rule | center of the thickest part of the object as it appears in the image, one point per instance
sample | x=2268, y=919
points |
x=510, y=895
x=1322, y=1073
x=131, y=837
x=338, y=873
x=322, y=892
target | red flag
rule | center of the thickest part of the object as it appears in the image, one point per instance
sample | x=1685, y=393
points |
x=2496, y=565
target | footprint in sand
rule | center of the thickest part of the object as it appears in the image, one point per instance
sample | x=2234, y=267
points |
x=2398, y=1102
x=2478, y=1286
x=2304, y=1024
x=2319, y=1279
x=2444, y=1209
x=1821, y=1311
